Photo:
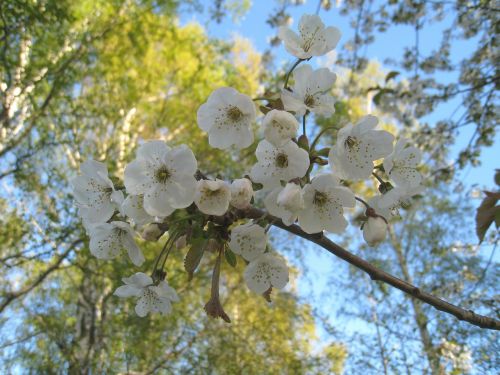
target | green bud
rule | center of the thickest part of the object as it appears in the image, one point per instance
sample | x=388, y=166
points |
x=303, y=142
x=385, y=187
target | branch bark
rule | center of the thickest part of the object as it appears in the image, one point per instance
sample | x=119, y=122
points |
x=377, y=274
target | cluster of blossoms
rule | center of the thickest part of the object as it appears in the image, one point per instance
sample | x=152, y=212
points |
x=297, y=184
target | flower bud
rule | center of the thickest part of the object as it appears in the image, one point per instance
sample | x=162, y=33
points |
x=152, y=232
x=241, y=193
x=374, y=230
x=290, y=198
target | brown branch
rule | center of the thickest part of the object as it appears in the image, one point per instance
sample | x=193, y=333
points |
x=377, y=274
x=10, y=297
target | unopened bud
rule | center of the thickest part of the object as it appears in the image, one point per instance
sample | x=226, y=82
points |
x=152, y=232
x=374, y=230
x=385, y=187
x=303, y=142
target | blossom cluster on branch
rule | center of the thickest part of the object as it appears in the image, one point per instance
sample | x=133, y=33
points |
x=297, y=183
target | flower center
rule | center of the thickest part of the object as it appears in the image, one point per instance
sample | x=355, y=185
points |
x=212, y=193
x=320, y=198
x=162, y=175
x=350, y=142
x=234, y=113
x=282, y=160
x=309, y=100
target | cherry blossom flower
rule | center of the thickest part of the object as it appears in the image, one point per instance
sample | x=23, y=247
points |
x=212, y=197
x=133, y=207
x=152, y=298
x=266, y=271
x=324, y=200
x=401, y=164
x=275, y=164
x=227, y=117
x=279, y=127
x=285, y=203
x=248, y=240
x=241, y=193
x=374, y=230
x=310, y=92
x=108, y=239
x=313, y=39
x=164, y=175
x=95, y=195
x=357, y=147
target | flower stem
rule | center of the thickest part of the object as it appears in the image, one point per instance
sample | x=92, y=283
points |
x=287, y=77
x=316, y=140
x=362, y=201
x=304, y=124
x=378, y=178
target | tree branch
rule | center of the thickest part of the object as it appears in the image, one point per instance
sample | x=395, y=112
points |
x=377, y=274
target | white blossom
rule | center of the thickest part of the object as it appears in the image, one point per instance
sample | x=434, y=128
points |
x=241, y=193
x=264, y=272
x=310, y=91
x=279, y=127
x=108, y=239
x=95, y=195
x=227, y=117
x=275, y=164
x=133, y=207
x=248, y=240
x=357, y=147
x=212, y=197
x=285, y=203
x=374, y=230
x=401, y=164
x=164, y=175
x=324, y=200
x=313, y=39
x=152, y=298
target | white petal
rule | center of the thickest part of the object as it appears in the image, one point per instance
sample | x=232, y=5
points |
x=143, y=306
x=321, y=81
x=125, y=291
x=166, y=291
x=157, y=201
x=153, y=151
x=255, y=280
x=105, y=242
x=212, y=197
x=139, y=279
x=248, y=240
x=279, y=127
x=137, y=177
x=181, y=160
x=133, y=207
x=134, y=253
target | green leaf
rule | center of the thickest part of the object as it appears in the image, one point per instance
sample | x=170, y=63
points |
x=487, y=212
x=391, y=75
x=230, y=257
x=194, y=255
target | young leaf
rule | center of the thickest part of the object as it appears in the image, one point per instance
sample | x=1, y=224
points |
x=230, y=257
x=193, y=256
